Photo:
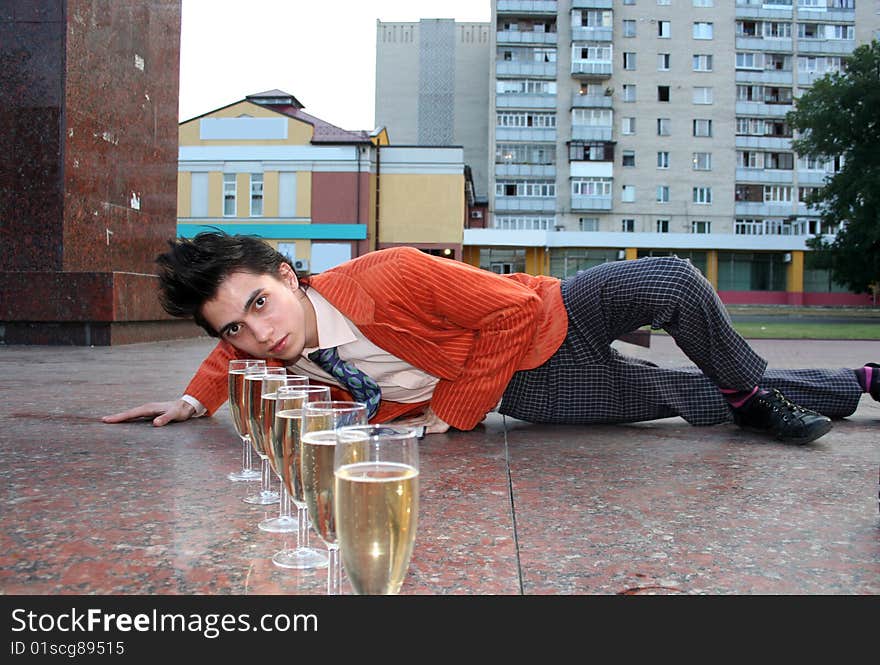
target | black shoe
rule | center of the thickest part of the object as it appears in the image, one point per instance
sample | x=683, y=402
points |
x=773, y=413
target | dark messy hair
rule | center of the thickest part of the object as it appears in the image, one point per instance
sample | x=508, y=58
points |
x=193, y=269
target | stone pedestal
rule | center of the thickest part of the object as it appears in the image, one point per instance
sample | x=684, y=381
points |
x=88, y=169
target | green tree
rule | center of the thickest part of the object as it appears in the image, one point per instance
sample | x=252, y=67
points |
x=839, y=117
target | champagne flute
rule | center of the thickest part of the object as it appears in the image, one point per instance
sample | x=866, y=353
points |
x=376, y=504
x=320, y=421
x=253, y=392
x=236, y=372
x=287, y=454
x=285, y=522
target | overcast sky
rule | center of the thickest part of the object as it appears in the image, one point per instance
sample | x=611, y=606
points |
x=321, y=51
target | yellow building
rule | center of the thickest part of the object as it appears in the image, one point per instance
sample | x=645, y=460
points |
x=320, y=194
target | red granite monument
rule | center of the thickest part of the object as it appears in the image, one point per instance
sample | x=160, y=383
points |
x=88, y=169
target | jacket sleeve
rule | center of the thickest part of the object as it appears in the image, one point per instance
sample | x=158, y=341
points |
x=502, y=317
x=210, y=384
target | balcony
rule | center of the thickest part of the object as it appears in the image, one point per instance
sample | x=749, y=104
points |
x=526, y=37
x=525, y=101
x=592, y=4
x=765, y=176
x=525, y=68
x=779, y=44
x=763, y=109
x=826, y=46
x=525, y=203
x=526, y=7
x=591, y=132
x=529, y=134
x=759, y=11
x=591, y=34
x=591, y=69
x=527, y=170
x=761, y=208
x=579, y=101
x=765, y=76
x=809, y=78
x=581, y=203
x=812, y=178
x=764, y=142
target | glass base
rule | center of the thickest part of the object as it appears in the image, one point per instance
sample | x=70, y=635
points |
x=301, y=557
x=262, y=498
x=244, y=475
x=279, y=524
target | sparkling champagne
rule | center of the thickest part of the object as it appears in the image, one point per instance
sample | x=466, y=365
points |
x=268, y=402
x=286, y=444
x=317, y=480
x=376, y=506
x=236, y=402
x=253, y=386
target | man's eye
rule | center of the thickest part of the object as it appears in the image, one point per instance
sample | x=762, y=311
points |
x=259, y=302
x=232, y=330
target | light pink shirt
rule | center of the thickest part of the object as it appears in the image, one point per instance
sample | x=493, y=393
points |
x=399, y=381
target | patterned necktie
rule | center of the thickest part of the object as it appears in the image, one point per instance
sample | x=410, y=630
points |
x=361, y=386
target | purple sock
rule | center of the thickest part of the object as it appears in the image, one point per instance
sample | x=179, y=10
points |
x=739, y=398
x=868, y=377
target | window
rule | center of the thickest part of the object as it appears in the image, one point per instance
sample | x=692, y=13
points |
x=703, y=195
x=629, y=2
x=749, y=60
x=629, y=92
x=662, y=93
x=749, y=159
x=662, y=226
x=256, y=194
x=628, y=225
x=664, y=2
x=702, y=30
x=198, y=200
x=663, y=60
x=628, y=194
x=628, y=126
x=702, y=161
x=664, y=29
x=662, y=160
x=777, y=194
x=591, y=187
x=663, y=125
x=704, y=3
x=629, y=28
x=629, y=157
x=662, y=193
x=702, y=127
x=702, y=62
x=229, y=191
x=588, y=224
x=701, y=227
x=629, y=60
x=702, y=95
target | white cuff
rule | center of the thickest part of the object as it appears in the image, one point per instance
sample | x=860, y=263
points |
x=196, y=404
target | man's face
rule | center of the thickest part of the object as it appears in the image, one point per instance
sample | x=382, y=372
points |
x=263, y=315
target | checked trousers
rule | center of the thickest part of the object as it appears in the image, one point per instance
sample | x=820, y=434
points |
x=588, y=381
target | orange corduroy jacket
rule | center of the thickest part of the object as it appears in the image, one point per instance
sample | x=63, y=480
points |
x=469, y=327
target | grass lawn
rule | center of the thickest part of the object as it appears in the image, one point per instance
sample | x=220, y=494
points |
x=783, y=330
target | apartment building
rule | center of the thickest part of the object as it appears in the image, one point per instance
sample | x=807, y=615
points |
x=320, y=194
x=628, y=128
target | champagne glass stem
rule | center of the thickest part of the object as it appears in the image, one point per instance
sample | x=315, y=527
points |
x=266, y=470
x=334, y=570
x=245, y=454
x=284, y=504
x=302, y=534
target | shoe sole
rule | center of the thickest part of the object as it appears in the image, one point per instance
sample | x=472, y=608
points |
x=822, y=431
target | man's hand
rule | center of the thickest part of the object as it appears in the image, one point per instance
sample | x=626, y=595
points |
x=162, y=413
x=433, y=424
